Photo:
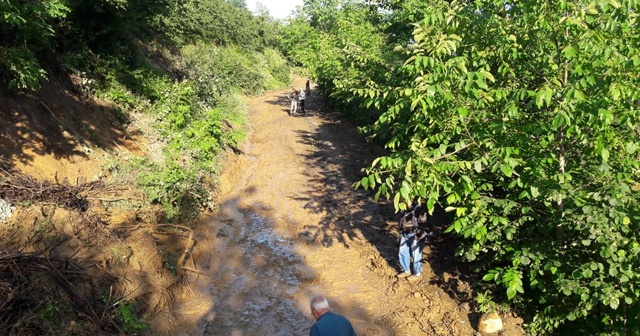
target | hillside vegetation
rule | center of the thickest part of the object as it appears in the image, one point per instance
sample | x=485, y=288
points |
x=520, y=118
x=184, y=63
x=154, y=92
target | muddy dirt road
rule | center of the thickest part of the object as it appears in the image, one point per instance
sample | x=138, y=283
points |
x=290, y=226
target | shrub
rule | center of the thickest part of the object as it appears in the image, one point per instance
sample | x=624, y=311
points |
x=26, y=31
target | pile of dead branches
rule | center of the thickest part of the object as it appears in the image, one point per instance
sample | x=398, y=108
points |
x=38, y=292
x=19, y=188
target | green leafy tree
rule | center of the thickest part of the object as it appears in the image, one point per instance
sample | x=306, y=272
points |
x=520, y=119
x=26, y=31
x=342, y=45
x=242, y=4
x=220, y=22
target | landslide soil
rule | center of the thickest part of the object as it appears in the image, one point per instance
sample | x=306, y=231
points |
x=53, y=147
x=290, y=226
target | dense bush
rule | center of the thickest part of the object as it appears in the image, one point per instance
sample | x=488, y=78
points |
x=220, y=70
x=26, y=32
x=520, y=119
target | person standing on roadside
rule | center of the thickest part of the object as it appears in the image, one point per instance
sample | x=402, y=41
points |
x=308, y=89
x=293, y=95
x=302, y=95
x=328, y=323
x=412, y=237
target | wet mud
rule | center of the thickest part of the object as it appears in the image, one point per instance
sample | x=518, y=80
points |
x=290, y=225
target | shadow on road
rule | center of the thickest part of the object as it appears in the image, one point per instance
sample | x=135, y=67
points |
x=256, y=278
x=341, y=153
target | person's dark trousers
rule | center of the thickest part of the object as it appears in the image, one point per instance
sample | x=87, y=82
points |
x=302, y=105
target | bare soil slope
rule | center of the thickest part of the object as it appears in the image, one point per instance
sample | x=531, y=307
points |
x=52, y=147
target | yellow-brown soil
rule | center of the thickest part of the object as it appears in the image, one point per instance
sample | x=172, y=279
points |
x=289, y=226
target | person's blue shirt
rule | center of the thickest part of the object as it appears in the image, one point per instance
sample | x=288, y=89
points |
x=330, y=324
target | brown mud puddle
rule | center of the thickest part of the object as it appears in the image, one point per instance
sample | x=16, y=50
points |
x=290, y=225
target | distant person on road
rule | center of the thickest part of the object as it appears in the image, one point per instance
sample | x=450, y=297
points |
x=328, y=323
x=293, y=95
x=302, y=95
x=308, y=89
x=412, y=236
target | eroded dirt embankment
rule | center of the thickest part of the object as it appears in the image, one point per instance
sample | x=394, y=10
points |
x=290, y=225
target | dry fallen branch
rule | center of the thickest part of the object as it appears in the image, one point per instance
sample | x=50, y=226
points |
x=31, y=281
x=16, y=188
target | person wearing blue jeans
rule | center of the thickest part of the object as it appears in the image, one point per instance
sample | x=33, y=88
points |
x=412, y=237
x=411, y=245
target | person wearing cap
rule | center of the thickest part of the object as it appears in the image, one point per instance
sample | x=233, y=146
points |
x=328, y=323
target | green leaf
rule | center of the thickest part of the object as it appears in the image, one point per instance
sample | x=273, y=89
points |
x=488, y=75
x=606, y=116
x=511, y=293
x=404, y=191
x=548, y=93
x=605, y=155
x=569, y=52
x=615, y=92
x=614, y=303
x=431, y=203
x=477, y=166
x=506, y=170
x=631, y=147
x=534, y=192
x=365, y=182
x=396, y=201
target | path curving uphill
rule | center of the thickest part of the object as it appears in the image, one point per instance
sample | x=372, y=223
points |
x=290, y=225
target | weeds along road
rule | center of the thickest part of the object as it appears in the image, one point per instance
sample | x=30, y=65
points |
x=290, y=225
